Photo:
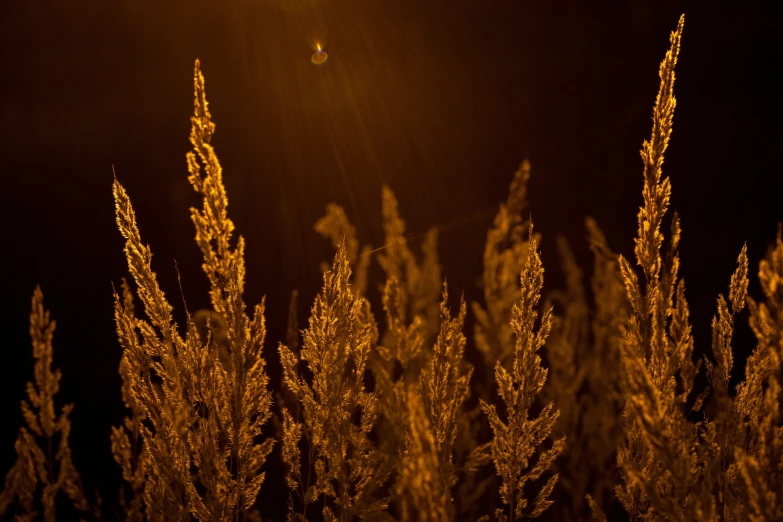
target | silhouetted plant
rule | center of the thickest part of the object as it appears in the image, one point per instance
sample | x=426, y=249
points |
x=43, y=467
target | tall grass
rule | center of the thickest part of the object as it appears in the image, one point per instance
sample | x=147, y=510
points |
x=569, y=408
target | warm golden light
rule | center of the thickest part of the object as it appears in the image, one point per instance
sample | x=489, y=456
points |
x=414, y=410
x=319, y=57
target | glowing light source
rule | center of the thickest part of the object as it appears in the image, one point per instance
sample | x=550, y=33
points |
x=319, y=57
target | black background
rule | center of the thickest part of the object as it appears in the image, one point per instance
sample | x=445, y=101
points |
x=439, y=99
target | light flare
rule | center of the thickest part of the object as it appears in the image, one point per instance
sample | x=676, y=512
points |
x=319, y=57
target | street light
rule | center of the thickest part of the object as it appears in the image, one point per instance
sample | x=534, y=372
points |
x=319, y=57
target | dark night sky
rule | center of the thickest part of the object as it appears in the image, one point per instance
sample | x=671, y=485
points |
x=439, y=99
